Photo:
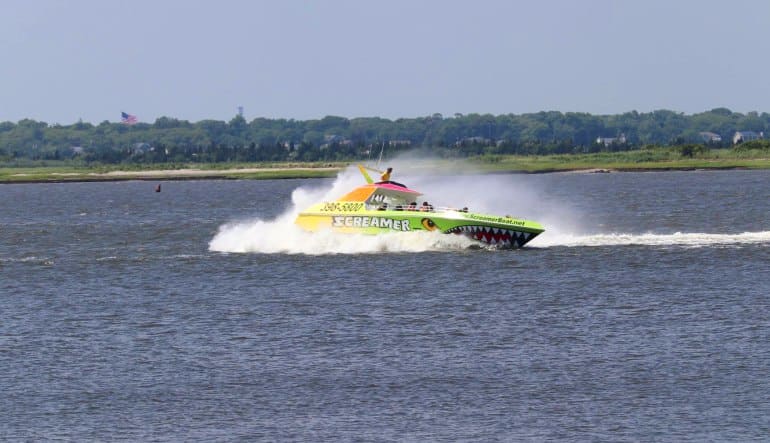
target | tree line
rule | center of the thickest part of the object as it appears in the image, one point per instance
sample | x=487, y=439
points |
x=338, y=138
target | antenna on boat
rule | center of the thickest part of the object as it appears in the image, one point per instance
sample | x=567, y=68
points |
x=363, y=168
x=382, y=149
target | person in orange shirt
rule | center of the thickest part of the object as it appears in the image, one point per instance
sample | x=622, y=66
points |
x=385, y=177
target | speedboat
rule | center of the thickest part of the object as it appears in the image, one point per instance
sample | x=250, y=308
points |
x=388, y=206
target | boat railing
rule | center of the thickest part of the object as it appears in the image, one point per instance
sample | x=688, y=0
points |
x=432, y=209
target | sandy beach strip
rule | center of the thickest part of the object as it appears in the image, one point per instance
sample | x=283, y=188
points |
x=199, y=172
x=159, y=174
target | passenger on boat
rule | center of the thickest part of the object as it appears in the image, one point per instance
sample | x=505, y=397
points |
x=383, y=207
x=385, y=179
x=412, y=206
x=426, y=207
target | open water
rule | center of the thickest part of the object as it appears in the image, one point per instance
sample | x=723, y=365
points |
x=201, y=314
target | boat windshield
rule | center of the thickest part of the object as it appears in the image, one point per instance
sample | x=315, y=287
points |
x=383, y=195
x=388, y=201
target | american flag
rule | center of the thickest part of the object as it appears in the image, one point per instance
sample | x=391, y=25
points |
x=128, y=118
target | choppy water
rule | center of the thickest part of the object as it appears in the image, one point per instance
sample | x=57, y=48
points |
x=199, y=313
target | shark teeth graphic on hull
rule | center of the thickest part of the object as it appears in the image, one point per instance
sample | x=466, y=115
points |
x=500, y=237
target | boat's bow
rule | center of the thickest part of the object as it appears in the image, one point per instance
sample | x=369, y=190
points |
x=503, y=232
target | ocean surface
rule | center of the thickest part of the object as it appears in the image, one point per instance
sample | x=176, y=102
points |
x=200, y=313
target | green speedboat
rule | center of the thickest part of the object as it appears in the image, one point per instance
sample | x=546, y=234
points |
x=381, y=207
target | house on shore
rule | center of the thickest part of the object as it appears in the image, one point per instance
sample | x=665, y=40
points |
x=141, y=149
x=747, y=136
x=469, y=141
x=710, y=137
x=606, y=141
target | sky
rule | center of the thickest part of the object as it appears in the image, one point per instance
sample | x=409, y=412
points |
x=67, y=60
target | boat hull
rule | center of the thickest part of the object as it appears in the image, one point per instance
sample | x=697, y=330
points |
x=502, y=232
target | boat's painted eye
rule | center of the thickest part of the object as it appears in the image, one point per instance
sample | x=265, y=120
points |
x=428, y=224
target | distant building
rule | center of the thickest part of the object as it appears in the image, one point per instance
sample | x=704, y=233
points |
x=746, y=136
x=710, y=137
x=141, y=148
x=333, y=138
x=467, y=141
x=336, y=140
x=606, y=141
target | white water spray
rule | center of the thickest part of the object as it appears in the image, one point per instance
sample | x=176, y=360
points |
x=281, y=235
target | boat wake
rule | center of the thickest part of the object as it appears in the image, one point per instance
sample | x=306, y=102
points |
x=283, y=236
x=689, y=239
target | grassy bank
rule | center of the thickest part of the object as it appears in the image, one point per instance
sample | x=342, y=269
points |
x=64, y=173
x=639, y=160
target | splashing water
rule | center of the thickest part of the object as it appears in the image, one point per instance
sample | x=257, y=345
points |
x=281, y=235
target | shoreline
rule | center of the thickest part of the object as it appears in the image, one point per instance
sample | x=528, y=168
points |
x=289, y=173
x=171, y=175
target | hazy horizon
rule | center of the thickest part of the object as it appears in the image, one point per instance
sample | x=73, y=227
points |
x=303, y=60
x=227, y=119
